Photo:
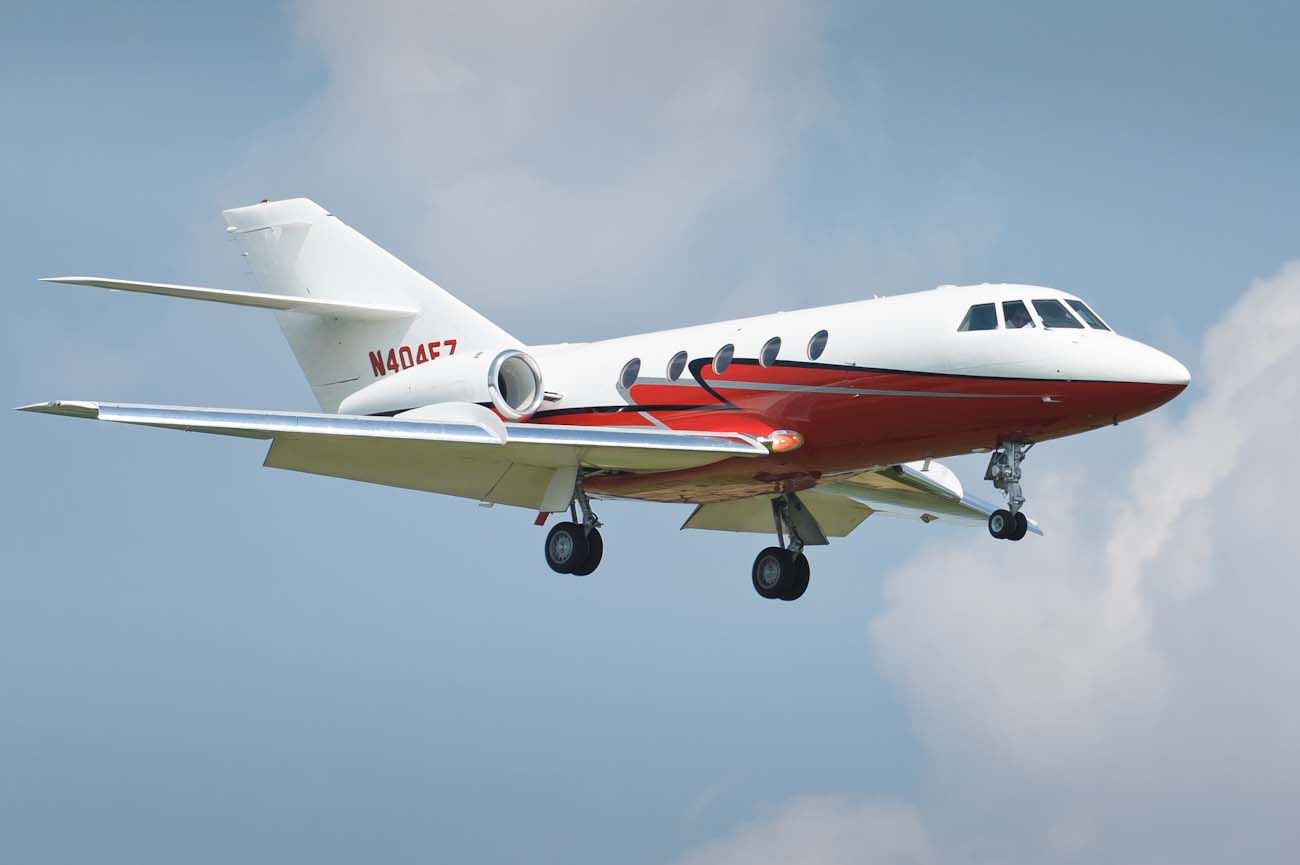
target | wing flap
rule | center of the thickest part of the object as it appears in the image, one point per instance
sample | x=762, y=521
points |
x=282, y=302
x=429, y=466
x=836, y=515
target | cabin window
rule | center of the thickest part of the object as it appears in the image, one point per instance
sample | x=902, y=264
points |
x=1016, y=315
x=1054, y=314
x=817, y=344
x=1087, y=314
x=771, y=349
x=631, y=370
x=677, y=366
x=981, y=316
x=722, y=359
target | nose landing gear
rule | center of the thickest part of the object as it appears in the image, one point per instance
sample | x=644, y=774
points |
x=1008, y=524
x=576, y=547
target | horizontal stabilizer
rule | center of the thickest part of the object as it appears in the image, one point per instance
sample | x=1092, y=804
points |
x=286, y=303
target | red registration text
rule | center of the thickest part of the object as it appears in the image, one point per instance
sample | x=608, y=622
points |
x=404, y=356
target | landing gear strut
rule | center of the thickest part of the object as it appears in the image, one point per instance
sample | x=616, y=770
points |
x=782, y=571
x=1008, y=524
x=576, y=547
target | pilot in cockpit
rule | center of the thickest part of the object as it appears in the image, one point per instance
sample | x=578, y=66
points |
x=1017, y=316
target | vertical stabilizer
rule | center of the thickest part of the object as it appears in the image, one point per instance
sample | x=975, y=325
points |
x=296, y=248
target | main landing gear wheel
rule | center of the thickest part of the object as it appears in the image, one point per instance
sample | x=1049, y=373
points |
x=1006, y=526
x=780, y=574
x=800, y=583
x=595, y=549
x=575, y=546
x=773, y=572
x=567, y=548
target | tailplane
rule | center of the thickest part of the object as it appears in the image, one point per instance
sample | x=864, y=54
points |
x=299, y=250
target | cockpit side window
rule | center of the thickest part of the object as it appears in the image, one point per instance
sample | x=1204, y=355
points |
x=1016, y=315
x=1087, y=314
x=981, y=316
x=1055, y=315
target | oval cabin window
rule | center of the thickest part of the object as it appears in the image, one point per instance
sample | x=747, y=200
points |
x=677, y=366
x=722, y=359
x=771, y=349
x=631, y=370
x=817, y=344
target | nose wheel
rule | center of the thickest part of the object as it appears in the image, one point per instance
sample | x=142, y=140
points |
x=1008, y=524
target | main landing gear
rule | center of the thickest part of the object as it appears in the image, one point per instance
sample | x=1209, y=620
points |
x=576, y=547
x=1008, y=524
x=782, y=572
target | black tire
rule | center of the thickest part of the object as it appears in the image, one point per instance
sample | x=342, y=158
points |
x=772, y=571
x=595, y=550
x=1018, y=527
x=799, y=581
x=1000, y=523
x=566, y=547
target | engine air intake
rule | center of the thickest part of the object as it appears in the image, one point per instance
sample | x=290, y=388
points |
x=515, y=384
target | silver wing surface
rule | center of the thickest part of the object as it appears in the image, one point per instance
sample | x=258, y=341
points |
x=926, y=491
x=458, y=449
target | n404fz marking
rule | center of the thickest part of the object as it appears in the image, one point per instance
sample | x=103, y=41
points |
x=403, y=357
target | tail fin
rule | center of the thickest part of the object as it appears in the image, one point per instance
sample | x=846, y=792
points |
x=298, y=249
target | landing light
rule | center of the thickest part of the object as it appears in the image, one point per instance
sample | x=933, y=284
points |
x=782, y=441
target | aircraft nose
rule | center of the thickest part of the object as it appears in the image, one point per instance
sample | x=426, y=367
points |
x=1153, y=366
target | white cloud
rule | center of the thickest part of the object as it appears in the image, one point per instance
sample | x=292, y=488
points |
x=554, y=150
x=824, y=830
x=578, y=169
x=1125, y=688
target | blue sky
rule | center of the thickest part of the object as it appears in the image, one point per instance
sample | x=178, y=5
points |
x=203, y=659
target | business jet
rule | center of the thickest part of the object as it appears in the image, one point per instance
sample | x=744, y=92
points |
x=801, y=424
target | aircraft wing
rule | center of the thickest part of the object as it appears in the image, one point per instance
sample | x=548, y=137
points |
x=918, y=490
x=459, y=449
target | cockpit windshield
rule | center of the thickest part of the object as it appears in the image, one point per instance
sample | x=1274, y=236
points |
x=1045, y=312
x=1055, y=315
x=1016, y=315
x=1087, y=314
x=981, y=316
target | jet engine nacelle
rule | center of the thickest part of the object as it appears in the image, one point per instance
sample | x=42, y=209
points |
x=510, y=381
